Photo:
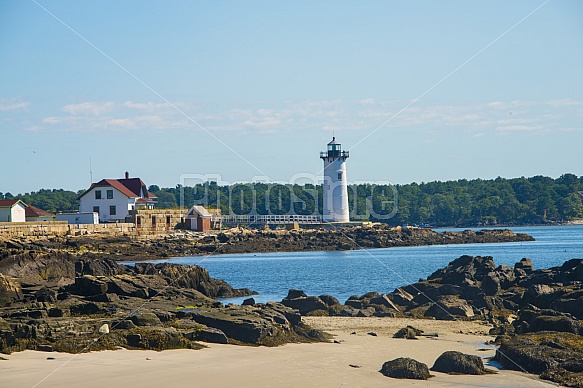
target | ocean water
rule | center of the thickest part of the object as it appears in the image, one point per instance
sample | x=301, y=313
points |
x=346, y=273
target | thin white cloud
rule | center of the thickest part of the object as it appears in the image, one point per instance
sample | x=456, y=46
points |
x=92, y=108
x=520, y=128
x=146, y=105
x=488, y=118
x=7, y=106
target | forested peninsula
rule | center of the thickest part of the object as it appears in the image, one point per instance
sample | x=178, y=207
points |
x=477, y=202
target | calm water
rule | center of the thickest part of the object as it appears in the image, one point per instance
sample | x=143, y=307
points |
x=346, y=273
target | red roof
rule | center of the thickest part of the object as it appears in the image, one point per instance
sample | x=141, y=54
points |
x=10, y=202
x=131, y=187
x=33, y=211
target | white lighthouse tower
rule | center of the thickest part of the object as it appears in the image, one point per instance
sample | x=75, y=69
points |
x=335, y=205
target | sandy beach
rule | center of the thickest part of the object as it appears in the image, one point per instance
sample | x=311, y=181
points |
x=353, y=362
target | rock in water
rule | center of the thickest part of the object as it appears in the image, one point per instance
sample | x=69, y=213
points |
x=454, y=362
x=405, y=368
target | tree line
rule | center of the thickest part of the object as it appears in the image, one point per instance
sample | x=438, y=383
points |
x=537, y=199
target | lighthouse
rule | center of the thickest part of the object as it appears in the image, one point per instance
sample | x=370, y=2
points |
x=335, y=205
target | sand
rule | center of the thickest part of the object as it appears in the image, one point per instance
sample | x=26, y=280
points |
x=292, y=365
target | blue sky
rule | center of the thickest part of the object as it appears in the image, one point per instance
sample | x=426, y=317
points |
x=416, y=90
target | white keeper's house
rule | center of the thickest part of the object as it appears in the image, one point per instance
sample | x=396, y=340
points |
x=112, y=199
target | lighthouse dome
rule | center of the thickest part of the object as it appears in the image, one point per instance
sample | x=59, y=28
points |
x=334, y=142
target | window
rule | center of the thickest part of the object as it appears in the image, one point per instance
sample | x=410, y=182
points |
x=340, y=176
x=109, y=194
x=96, y=209
x=112, y=211
x=97, y=194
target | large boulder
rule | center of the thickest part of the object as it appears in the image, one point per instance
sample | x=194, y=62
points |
x=128, y=285
x=329, y=300
x=88, y=285
x=449, y=307
x=454, y=362
x=400, y=297
x=294, y=293
x=305, y=304
x=558, y=356
x=464, y=270
x=491, y=284
x=405, y=368
x=146, y=319
x=555, y=323
x=524, y=266
x=408, y=332
x=266, y=325
x=210, y=335
x=383, y=300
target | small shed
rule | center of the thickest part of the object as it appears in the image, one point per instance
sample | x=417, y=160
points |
x=198, y=218
x=35, y=214
x=12, y=210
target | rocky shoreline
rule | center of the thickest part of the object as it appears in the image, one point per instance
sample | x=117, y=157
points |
x=73, y=296
x=240, y=240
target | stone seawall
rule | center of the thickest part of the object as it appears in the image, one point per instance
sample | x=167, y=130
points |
x=62, y=228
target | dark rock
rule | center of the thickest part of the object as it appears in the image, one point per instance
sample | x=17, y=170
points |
x=84, y=309
x=164, y=316
x=541, y=352
x=290, y=315
x=453, y=362
x=145, y=319
x=248, y=302
x=405, y=368
x=555, y=323
x=408, y=332
x=448, y=307
x=329, y=300
x=294, y=293
x=357, y=304
x=571, y=306
x=55, y=312
x=400, y=297
x=305, y=304
x=121, y=286
x=491, y=284
x=254, y=327
x=211, y=335
x=125, y=324
x=46, y=295
x=524, y=265
x=134, y=340
x=465, y=270
x=384, y=300
x=44, y=348
x=23, y=330
x=88, y=285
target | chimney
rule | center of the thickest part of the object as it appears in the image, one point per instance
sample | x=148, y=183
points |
x=127, y=175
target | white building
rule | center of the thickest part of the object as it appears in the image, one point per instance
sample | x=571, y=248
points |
x=12, y=210
x=112, y=199
x=335, y=204
x=78, y=218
